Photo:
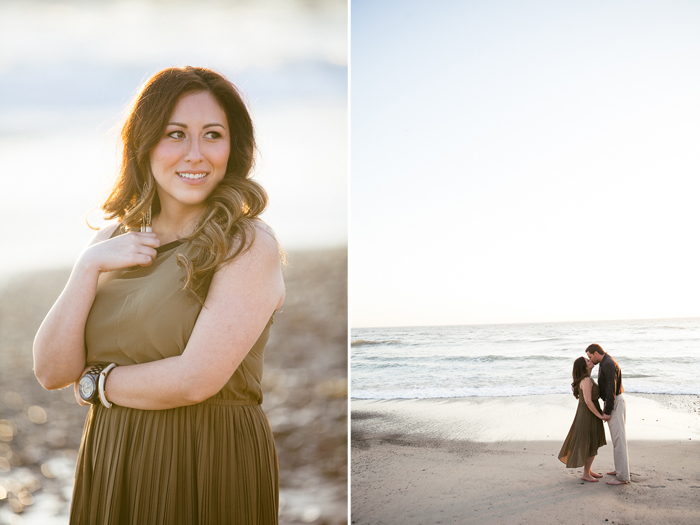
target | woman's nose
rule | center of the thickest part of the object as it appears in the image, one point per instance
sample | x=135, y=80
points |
x=194, y=155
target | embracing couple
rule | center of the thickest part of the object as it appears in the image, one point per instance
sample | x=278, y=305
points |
x=587, y=433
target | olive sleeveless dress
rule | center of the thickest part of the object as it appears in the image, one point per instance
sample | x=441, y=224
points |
x=586, y=434
x=213, y=462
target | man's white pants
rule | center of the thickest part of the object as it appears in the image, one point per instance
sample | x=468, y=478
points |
x=619, y=438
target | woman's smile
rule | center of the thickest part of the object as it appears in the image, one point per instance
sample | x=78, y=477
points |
x=192, y=177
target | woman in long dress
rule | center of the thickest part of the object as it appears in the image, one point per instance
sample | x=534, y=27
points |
x=587, y=433
x=162, y=324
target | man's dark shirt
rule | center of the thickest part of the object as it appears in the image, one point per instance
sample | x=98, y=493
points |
x=609, y=382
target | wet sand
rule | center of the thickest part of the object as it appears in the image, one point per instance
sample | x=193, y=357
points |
x=494, y=460
x=305, y=397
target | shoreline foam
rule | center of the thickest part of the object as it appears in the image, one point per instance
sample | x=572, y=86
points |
x=529, y=418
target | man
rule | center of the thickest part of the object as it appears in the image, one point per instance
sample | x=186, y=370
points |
x=615, y=411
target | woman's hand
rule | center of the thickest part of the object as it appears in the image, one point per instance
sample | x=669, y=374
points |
x=587, y=388
x=124, y=251
x=76, y=389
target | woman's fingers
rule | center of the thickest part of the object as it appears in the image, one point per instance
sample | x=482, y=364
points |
x=138, y=249
x=146, y=254
x=144, y=260
x=124, y=251
x=146, y=250
x=146, y=244
x=146, y=238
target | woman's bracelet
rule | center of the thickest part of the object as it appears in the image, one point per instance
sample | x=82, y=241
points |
x=101, y=385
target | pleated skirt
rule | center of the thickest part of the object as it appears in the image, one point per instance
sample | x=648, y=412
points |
x=585, y=437
x=214, y=462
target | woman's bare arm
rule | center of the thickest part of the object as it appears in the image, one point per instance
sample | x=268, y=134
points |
x=242, y=297
x=59, y=345
x=587, y=386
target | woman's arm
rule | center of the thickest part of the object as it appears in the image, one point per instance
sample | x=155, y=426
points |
x=242, y=297
x=59, y=345
x=587, y=386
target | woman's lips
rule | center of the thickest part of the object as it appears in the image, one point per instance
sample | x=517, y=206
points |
x=193, y=178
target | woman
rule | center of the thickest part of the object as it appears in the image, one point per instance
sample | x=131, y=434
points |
x=587, y=433
x=182, y=309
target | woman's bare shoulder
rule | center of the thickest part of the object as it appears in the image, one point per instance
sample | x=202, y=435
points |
x=105, y=232
x=263, y=246
x=265, y=230
x=256, y=271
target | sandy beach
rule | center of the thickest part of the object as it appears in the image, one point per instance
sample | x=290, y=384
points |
x=305, y=398
x=494, y=460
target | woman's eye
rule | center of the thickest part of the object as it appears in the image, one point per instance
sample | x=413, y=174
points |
x=177, y=134
x=213, y=135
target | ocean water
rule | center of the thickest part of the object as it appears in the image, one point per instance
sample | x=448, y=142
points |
x=660, y=356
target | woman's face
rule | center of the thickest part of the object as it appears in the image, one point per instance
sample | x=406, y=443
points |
x=589, y=364
x=191, y=157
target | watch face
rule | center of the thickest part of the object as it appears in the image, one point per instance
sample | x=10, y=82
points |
x=86, y=387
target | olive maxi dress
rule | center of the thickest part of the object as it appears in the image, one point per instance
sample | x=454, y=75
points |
x=213, y=462
x=586, y=434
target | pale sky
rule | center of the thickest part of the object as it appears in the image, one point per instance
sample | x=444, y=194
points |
x=524, y=161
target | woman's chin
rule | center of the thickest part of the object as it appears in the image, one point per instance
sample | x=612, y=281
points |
x=186, y=199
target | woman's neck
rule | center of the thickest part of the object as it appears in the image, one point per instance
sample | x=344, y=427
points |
x=170, y=227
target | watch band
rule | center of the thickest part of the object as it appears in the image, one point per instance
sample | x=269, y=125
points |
x=101, y=385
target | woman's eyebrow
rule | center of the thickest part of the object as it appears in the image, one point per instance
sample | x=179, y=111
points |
x=180, y=124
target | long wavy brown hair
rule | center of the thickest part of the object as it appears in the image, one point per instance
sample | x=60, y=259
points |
x=580, y=371
x=226, y=227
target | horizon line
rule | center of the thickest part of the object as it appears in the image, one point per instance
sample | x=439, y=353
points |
x=530, y=322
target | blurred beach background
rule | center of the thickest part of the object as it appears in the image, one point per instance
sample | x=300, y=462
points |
x=68, y=69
